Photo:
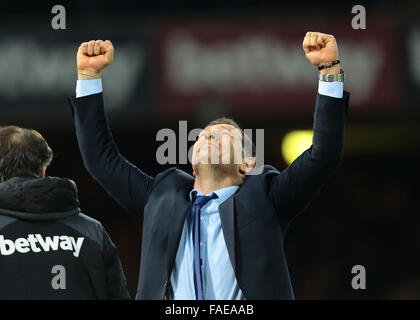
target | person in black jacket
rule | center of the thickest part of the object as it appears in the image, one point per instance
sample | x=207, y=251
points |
x=219, y=233
x=48, y=248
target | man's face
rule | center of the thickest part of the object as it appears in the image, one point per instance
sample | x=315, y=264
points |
x=218, y=144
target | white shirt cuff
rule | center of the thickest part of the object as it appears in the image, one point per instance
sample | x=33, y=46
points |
x=332, y=89
x=88, y=87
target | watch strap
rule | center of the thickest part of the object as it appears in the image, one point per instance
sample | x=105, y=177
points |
x=332, y=77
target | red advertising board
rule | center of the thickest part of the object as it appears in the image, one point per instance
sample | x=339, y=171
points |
x=255, y=67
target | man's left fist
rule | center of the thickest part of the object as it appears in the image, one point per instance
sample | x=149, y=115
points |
x=321, y=48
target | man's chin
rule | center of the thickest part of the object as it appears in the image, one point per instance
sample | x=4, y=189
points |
x=216, y=169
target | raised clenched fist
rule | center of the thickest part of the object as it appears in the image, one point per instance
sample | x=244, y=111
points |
x=321, y=48
x=93, y=57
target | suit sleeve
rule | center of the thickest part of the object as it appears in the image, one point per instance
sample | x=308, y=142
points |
x=293, y=189
x=126, y=183
x=116, y=284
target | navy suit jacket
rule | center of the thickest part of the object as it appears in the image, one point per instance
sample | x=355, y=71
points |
x=254, y=219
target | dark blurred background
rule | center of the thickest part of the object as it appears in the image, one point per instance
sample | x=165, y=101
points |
x=199, y=60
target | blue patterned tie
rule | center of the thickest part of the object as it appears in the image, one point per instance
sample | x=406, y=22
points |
x=199, y=202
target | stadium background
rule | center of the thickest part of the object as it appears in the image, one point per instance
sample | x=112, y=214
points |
x=197, y=61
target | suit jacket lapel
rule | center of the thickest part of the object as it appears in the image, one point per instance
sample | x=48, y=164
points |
x=227, y=216
x=176, y=223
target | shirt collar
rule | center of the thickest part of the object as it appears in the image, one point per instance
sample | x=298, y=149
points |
x=222, y=194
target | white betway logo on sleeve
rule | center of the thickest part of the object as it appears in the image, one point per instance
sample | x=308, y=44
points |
x=37, y=243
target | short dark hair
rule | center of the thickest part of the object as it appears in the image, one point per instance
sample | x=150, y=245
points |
x=23, y=153
x=233, y=123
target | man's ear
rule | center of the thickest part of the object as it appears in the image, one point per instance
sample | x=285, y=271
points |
x=247, y=165
x=43, y=171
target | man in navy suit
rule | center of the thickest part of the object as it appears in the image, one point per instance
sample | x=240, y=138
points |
x=218, y=234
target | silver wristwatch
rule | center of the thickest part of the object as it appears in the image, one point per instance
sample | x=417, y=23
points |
x=332, y=77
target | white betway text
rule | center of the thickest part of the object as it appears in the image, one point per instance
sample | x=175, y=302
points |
x=37, y=243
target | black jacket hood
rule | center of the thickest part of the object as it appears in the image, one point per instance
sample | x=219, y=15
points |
x=32, y=198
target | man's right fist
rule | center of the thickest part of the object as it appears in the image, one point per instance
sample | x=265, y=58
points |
x=93, y=57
